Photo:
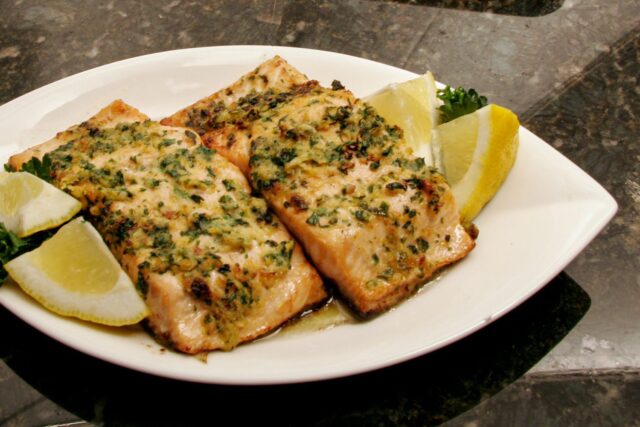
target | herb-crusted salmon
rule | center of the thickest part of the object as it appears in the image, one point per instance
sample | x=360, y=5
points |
x=216, y=267
x=372, y=216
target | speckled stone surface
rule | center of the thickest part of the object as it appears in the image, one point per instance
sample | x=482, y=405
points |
x=595, y=122
x=607, y=399
x=568, y=356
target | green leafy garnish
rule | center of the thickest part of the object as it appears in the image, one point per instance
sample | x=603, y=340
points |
x=459, y=102
x=39, y=168
x=12, y=246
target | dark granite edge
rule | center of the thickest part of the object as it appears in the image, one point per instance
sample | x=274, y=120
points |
x=554, y=93
x=523, y=9
x=572, y=399
x=573, y=374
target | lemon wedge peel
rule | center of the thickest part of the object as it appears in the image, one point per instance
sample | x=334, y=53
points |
x=28, y=204
x=412, y=106
x=115, y=304
x=475, y=179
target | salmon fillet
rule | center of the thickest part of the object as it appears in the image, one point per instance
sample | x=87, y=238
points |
x=371, y=216
x=215, y=266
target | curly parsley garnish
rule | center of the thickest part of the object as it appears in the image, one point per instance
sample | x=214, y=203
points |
x=459, y=102
x=12, y=246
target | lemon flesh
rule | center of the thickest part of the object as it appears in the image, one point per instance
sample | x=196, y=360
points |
x=478, y=150
x=412, y=106
x=74, y=274
x=29, y=204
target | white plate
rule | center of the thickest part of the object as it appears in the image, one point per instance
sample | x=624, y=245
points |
x=547, y=211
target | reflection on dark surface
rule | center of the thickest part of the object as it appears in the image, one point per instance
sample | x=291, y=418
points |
x=427, y=390
x=506, y=7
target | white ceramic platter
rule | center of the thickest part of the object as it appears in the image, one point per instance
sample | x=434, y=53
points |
x=547, y=211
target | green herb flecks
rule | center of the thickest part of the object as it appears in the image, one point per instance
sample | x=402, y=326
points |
x=229, y=184
x=281, y=257
x=37, y=167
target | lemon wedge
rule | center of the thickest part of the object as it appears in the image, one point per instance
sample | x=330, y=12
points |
x=478, y=151
x=28, y=204
x=412, y=106
x=74, y=274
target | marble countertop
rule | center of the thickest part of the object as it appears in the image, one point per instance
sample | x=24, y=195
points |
x=568, y=356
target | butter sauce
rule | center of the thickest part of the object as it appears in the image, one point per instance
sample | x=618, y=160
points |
x=332, y=314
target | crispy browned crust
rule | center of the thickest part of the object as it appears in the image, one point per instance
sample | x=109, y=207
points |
x=116, y=112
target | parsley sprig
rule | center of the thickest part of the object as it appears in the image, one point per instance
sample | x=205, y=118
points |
x=458, y=102
x=12, y=246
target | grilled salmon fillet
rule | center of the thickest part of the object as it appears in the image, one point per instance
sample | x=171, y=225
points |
x=372, y=216
x=215, y=266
